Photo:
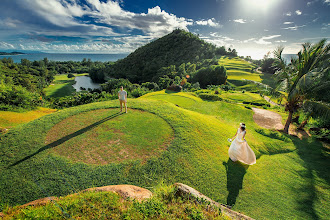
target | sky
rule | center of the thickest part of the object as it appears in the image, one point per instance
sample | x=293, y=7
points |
x=252, y=27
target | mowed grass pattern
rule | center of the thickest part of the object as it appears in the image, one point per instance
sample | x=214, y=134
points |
x=289, y=181
x=103, y=136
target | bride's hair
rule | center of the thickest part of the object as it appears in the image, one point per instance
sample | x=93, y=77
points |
x=242, y=126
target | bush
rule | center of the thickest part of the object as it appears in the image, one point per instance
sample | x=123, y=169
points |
x=139, y=92
x=81, y=99
x=151, y=86
x=211, y=97
x=12, y=97
x=175, y=88
x=262, y=103
x=114, y=84
x=212, y=75
x=70, y=75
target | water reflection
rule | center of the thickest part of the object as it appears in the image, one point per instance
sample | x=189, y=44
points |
x=85, y=82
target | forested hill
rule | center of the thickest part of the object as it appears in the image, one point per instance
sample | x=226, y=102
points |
x=173, y=49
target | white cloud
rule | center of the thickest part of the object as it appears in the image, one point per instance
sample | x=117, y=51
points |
x=288, y=13
x=67, y=16
x=288, y=22
x=249, y=40
x=294, y=28
x=281, y=41
x=298, y=12
x=209, y=22
x=327, y=1
x=4, y=45
x=242, y=21
x=262, y=40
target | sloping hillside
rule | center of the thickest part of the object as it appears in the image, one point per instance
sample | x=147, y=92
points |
x=173, y=49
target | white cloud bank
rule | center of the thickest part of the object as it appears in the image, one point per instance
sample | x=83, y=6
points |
x=242, y=21
x=263, y=39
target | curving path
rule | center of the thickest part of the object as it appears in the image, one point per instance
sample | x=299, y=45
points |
x=267, y=119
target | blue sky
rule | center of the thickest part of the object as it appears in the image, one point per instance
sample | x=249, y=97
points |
x=252, y=27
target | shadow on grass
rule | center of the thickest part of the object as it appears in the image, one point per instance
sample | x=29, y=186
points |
x=66, y=138
x=273, y=134
x=235, y=174
x=316, y=163
x=63, y=91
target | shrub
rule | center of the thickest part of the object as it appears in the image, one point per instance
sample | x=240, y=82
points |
x=70, y=75
x=212, y=75
x=12, y=97
x=262, y=103
x=139, y=92
x=175, y=88
x=151, y=86
x=211, y=97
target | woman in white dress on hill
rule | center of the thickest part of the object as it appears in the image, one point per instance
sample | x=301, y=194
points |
x=239, y=149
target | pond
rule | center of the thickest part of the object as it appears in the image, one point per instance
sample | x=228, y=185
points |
x=85, y=82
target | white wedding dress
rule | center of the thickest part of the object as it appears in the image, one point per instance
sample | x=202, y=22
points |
x=240, y=150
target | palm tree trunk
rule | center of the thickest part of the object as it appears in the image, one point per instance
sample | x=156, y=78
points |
x=288, y=122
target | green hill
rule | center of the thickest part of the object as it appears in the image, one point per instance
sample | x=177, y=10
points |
x=173, y=49
x=84, y=146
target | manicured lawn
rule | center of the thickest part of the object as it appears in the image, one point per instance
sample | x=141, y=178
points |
x=289, y=181
x=62, y=86
x=105, y=135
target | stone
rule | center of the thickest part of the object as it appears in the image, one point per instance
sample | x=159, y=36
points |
x=125, y=191
x=187, y=191
x=40, y=202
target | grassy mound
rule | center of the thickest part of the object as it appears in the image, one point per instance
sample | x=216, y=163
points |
x=289, y=181
x=104, y=136
x=107, y=205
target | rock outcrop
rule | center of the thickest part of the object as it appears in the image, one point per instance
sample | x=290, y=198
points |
x=187, y=191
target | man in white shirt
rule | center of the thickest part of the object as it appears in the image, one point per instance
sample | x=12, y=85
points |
x=122, y=95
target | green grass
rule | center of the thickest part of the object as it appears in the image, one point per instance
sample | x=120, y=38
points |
x=9, y=119
x=239, y=70
x=110, y=136
x=240, y=97
x=107, y=205
x=289, y=181
x=62, y=86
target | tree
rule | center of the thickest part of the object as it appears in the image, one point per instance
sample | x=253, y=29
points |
x=294, y=78
x=212, y=75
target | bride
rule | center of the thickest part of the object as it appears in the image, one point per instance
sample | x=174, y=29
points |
x=239, y=149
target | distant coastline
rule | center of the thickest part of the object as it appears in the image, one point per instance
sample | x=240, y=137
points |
x=11, y=53
x=62, y=57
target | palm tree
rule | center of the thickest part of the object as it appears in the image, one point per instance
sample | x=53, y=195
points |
x=297, y=78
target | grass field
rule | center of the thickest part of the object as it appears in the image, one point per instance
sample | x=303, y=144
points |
x=239, y=70
x=10, y=119
x=289, y=181
x=62, y=86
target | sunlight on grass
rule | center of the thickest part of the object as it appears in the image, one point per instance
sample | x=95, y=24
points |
x=290, y=179
x=10, y=119
x=106, y=136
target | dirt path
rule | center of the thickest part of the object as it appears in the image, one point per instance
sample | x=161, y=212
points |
x=267, y=119
x=273, y=120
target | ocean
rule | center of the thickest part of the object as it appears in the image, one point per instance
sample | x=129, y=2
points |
x=65, y=57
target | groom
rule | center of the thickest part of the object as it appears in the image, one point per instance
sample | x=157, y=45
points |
x=122, y=95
